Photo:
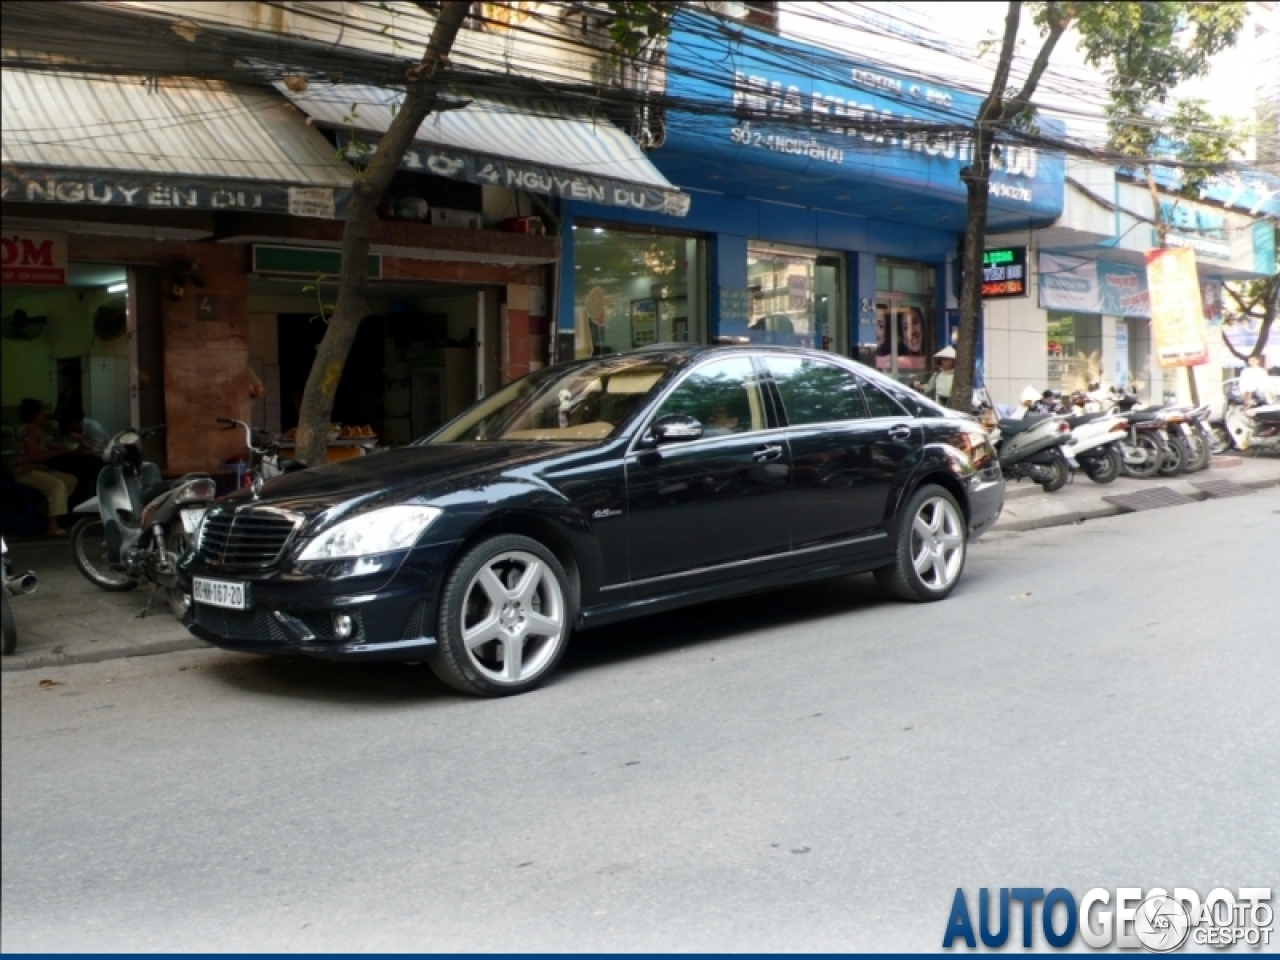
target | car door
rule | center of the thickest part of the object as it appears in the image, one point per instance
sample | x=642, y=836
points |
x=713, y=508
x=848, y=441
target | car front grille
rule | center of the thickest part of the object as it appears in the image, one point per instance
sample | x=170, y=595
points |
x=246, y=540
x=248, y=626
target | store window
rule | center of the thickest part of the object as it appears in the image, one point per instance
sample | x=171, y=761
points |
x=1074, y=351
x=905, y=319
x=796, y=297
x=633, y=289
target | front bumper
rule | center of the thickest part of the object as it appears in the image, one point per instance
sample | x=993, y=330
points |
x=393, y=619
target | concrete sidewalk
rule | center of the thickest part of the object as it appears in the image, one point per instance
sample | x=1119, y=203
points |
x=68, y=620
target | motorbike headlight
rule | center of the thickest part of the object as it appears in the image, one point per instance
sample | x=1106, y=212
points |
x=198, y=490
x=381, y=531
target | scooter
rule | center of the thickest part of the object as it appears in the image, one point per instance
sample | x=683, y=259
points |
x=1031, y=447
x=139, y=526
x=1096, y=444
x=13, y=586
x=1251, y=428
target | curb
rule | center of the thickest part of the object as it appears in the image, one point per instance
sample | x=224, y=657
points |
x=1069, y=517
x=54, y=658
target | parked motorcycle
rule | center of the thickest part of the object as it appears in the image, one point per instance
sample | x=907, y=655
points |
x=1254, y=427
x=1146, y=447
x=1031, y=447
x=13, y=586
x=1096, y=444
x=139, y=526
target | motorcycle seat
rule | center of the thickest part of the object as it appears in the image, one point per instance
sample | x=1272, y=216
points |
x=1268, y=414
x=1143, y=416
x=1012, y=427
x=1084, y=418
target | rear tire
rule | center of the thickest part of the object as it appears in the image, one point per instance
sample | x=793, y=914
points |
x=1059, y=472
x=505, y=618
x=1105, y=468
x=932, y=544
x=1154, y=451
x=10, y=626
x=1175, y=458
x=88, y=551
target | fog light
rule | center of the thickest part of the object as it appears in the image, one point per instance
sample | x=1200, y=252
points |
x=341, y=626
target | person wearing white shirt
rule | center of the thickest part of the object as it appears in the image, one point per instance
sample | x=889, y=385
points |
x=1255, y=380
x=939, y=385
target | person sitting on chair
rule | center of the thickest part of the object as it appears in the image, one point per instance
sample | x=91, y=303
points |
x=33, y=448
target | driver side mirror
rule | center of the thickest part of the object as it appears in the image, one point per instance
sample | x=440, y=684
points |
x=675, y=428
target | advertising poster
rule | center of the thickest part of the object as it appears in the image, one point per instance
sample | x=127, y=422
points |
x=1177, y=316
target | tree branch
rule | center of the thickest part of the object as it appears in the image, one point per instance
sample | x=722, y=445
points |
x=1057, y=27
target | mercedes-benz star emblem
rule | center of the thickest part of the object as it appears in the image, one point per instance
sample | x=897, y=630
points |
x=256, y=487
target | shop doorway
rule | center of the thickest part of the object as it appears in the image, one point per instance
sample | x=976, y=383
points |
x=797, y=297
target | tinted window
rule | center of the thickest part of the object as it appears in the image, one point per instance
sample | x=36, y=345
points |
x=580, y=402
x=724, y=396
x=816, y=392
x=879, y=402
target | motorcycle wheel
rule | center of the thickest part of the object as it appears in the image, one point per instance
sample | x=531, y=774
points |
x=1175, y=458
x=10, y=635
x=1154, y=451
x=1106, y=468
x=89, y=552
x=1199, y=447
x=1058, y=473
x=176, y=543
x=1220, y=440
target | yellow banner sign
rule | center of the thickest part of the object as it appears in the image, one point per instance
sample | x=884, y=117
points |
x=1177, y=314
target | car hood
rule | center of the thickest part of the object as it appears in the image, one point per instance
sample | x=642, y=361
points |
x=394, y=476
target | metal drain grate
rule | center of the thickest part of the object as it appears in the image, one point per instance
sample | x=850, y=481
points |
x=1150, y=499
x=1221, y=488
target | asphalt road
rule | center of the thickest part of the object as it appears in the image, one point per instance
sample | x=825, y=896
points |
x=810, y=770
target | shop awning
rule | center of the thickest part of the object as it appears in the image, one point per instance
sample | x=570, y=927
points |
x=178, y=144
x=536, y=146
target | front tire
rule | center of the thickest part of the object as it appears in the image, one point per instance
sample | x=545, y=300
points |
x=10, y=626
x=1201, y=454
x=932, y=543
x=177, y=544
x=505, y=618
x=89, y=552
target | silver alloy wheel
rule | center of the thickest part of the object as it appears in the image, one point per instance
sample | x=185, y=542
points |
x=937, y=543
x=513, y=617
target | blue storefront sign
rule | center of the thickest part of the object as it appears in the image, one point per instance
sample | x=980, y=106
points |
x=812, y=128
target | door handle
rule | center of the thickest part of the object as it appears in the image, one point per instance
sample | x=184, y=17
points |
x=899, y=432
x=770, y=451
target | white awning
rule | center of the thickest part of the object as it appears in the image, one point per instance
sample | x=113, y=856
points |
x=531, y=145
x=185, y=143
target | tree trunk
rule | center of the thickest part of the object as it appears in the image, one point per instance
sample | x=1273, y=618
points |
x=368, y=188
x=975, y=232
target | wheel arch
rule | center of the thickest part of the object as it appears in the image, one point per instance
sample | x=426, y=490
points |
x=939, y=476
x=545, y=532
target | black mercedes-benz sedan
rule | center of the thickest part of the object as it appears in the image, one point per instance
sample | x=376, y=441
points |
x=595, y=491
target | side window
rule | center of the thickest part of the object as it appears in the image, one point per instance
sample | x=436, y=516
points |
x=816, y=392
x=724, y=396
x=879, y=402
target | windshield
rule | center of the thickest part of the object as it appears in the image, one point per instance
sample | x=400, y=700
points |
x=583, y=403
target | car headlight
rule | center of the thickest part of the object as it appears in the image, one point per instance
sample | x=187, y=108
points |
x=381, y=531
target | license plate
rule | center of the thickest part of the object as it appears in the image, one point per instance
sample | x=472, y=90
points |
x=220, y=593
